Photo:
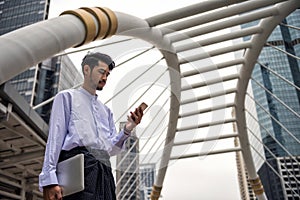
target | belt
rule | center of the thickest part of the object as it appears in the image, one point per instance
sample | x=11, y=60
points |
x=98, y=154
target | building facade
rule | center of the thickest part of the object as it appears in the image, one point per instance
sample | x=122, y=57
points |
x=147, y=178
x=277, y=104
x=43, y=81
x=246, y=191
x=53, y=75
x=127, y=173
x=15, y=14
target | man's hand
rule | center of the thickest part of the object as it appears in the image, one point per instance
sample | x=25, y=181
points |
x=134, y=119
x=52, y=192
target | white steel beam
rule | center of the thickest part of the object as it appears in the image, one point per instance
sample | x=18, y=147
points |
x=231, y=22
x=208, y=96
x=189, y=11
x=210, y=138
x=212, y=67
x=204, y=110
x=203, y=125
x=210, y=82
x=221, y=38
x=216, y=52
x=218, y=14
x=229, y=150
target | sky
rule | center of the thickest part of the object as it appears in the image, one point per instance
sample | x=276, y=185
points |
x=205, y=178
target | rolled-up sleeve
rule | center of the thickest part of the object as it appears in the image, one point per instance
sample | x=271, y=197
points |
x=58, y=127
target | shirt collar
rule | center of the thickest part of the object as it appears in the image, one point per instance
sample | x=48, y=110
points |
x=84, y=91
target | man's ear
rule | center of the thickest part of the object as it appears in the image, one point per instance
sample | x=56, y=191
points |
x=86, y=70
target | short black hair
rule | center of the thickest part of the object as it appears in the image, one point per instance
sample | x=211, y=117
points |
x=92, y=60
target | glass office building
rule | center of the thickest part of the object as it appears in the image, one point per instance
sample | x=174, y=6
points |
x=44, y=80
x=127, y=172
x=147, y=177
x=15, y=14
x=277, y=104
x=53, y=75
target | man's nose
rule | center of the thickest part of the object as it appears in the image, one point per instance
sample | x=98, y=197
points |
x=104, y=76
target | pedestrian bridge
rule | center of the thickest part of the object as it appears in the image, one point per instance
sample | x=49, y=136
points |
x=196, y=85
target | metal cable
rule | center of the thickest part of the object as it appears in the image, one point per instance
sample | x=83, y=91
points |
x=278, y=75
x=268, y=132
x=130, y=83
x=124, y=186
x=280, y=124
x=280, y=101
x=119, y=164
x=149, y=161
x=52, y=98
x=127, y=110
x=285, y=52
x=76, y=51
x=128, y=151
x=272, y=154
x=135, y=56
x=270, y=166
x=142, y=161
x=290, y=26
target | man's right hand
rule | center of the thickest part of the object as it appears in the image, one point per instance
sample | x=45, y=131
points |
x=52, y=192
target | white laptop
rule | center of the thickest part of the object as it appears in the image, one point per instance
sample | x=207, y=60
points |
x=70, y=174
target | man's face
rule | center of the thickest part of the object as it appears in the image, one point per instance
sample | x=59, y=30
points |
x=98, y=76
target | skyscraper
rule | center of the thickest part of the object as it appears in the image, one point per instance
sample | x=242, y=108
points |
x=44, y=80
x=15, y=14
x=147, y=176
x=53, y=75
x=246, y=191
x=275, y=80
x=127, y=175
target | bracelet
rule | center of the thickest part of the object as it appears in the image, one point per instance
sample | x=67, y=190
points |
x=126, y=131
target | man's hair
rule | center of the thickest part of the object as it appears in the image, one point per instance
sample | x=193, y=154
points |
x=92, y=60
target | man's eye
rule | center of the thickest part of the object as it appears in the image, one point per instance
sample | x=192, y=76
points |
x=101, y=71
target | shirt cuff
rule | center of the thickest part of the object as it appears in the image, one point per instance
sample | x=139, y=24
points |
x=119, y=143
x=123, y=136
x=47, y=179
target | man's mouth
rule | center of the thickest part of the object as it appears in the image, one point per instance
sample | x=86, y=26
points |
x=102, y=81
x=101, y=84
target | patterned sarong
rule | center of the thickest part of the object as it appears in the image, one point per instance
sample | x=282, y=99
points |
x=99, y=182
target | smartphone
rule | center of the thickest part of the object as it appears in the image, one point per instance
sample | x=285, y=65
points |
x=143, y=107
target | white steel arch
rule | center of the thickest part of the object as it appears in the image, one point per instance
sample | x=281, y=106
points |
x=88, y=24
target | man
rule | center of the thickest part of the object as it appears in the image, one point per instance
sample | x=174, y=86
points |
x=80, y=123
